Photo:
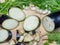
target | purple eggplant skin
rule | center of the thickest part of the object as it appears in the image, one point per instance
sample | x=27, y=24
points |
x=33, y=32
x=17, y=35
x=9, y=37
x=19, y=43
x=56, y=18
x=3, y=17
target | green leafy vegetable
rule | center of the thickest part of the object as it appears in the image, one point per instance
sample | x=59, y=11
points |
x=55, y=36
x=46, y=43
x=53, y=5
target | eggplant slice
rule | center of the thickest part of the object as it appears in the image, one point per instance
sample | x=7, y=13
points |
x=51, y=21
x=16, y=13
x=48, y=24
x=31, y=23
x=10, y=24
x=5, y=35
x=7, y=22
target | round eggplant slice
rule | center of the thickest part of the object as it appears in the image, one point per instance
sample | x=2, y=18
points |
x=31, y=23
x=51, y=22
x=10, y=24
x=7, y=22
x=5, y=35
x=16, y=13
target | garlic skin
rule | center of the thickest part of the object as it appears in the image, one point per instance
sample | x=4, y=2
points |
x=48, y=12
x=12, y=42
x=37, y=38
x=21, y=39
x=25, y=7
x=33, y=43
x=37, y=9
x=41, y=11
x=33, y=8
x=28, y=38
x=45, y=11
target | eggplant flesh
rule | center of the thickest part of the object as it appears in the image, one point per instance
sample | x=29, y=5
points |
x=16, y=13
x=5, y=35
x=10, y=24
x=31, y=23
x=51, y=21
x=7, y=22
x=56, y=18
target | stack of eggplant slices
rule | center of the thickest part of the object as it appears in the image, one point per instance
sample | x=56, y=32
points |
x=51, y=22
x=9, y=22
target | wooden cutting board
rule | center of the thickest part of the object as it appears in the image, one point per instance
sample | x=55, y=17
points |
x=20, y=27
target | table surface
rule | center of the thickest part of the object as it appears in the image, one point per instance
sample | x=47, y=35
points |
x=43, y=32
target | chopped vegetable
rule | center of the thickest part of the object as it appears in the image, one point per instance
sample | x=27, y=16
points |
x=12, y=42
x=16, y=13
x=5, y=35
x=51, y=21
x=31, y=23
x=28, y=38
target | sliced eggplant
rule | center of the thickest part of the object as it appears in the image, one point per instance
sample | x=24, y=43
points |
x=51, y=21
x=28, y=38
x=7, y=22
x=12, y=42
x=10, y=24
x=31, y=23
x=17, y=35
x=5, y=35
x=16, y=13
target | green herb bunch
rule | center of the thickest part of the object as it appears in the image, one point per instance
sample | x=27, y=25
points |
x=55, y=36
x=53, y=5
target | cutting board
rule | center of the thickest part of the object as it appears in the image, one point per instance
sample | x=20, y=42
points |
x=20, y=27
